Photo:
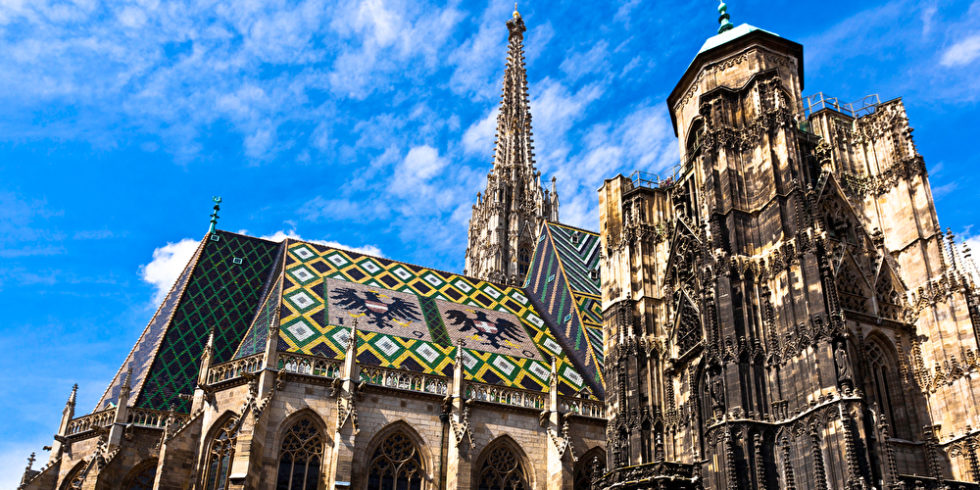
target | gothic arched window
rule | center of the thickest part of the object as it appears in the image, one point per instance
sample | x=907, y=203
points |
x=300, y=456
x=885, y=389
x=220, y=453
x=523, y=260
x=396, y=465
x=695, y=138
x=74, y=479
x=142, y=476
x=502, y=470
x=590, y=468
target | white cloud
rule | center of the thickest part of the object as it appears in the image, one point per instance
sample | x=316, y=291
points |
x=962, y=53
x=412, y=177
x=177, y=68
x=556, y=109
x=168, y=262
x=478, y=138
x=581, y=63
x=364, y=249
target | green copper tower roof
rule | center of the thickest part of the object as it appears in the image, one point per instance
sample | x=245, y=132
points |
x=727, y=31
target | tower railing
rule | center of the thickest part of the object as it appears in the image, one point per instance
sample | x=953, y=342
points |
x=859, y=108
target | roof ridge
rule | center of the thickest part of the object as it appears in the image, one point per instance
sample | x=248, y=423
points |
x=433, y=269
x=572, y=227
x=271, y=286
x=192, y=264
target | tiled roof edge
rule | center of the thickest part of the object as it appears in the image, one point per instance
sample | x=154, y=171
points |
x=192, y=264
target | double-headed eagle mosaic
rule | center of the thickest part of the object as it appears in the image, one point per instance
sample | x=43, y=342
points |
x=493, y=332
x=378, y=312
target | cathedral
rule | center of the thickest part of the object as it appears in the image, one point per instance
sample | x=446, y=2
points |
x=783, y=311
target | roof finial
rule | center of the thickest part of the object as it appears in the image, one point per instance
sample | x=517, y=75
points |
x=214, y=214
x=73, y=395
x=516, y=13
x=723, y=18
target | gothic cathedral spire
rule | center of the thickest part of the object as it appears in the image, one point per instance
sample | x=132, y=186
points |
x=507, y=217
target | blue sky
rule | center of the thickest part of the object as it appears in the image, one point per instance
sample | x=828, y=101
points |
x=368, y=124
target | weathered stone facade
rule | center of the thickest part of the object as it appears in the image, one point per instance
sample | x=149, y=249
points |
x=508, y=215
x=788, y=303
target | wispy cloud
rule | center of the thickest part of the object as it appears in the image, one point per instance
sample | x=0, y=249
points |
x=962, y=53
x=284, y=234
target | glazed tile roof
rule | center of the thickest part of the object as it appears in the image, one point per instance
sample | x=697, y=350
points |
x=561, y=282
x=579, y=251
x=408, y=317
x=220, y=288
x=411, y=318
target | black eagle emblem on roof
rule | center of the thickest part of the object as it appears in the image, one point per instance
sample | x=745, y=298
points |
x=493, y=332
x=377, y=311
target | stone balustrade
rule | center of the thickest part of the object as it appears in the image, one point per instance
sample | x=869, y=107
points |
x=145, y=417
x=91, y=421
x=583, y=407
x=234, y=369
x=390, y=378
x=503, y=395
x=404, y=380
x=309, y=365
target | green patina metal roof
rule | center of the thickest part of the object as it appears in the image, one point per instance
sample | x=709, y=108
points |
x=730, y=35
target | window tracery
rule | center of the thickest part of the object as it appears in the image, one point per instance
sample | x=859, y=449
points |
x=502, y=470
x=74, y=479
x=590, y=468
x=219, y=457
x=141, y=478
x=885, y=387
x=300, y=456
x=396, y=465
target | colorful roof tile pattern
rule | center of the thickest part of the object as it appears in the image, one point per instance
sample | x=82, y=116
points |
x=550, y=289
x=268, y=316
x=222, y=294
x=579, y=250
x=410, y=317
x=139, y=359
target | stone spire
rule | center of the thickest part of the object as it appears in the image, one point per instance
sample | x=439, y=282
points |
x=507, y=217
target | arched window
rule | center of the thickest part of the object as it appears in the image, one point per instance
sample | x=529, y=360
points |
x=590, y=468
x=219, y=457
x=396, y=465
x=524, y=260
x=75, y=477
x=885, y=388
x=502, y=469
x=694, y=139
x=300, y=456
x=142, y=476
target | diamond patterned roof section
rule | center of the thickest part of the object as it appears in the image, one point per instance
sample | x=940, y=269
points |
x=549, y=290
x=578, y=250
x=410, y=317
x=223, y=293
x=141, y=356
x=258, y=333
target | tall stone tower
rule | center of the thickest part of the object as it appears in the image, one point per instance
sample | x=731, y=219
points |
x=785, y=312
x=508, y=215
